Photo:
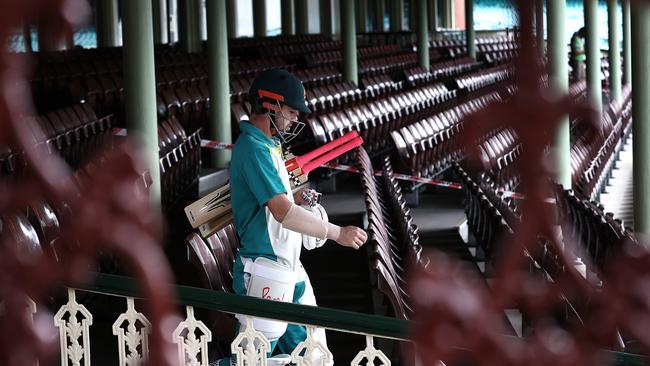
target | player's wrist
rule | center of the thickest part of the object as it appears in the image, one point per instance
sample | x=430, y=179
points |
x=333, y=231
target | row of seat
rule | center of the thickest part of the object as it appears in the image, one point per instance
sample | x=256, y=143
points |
x=430, y=145
x=441, y=70
x=594, y=153
x=387, y=64
x=587, y=223
x=483, y=40
x=75, y=133
x=493, y=226
x=500, y=150
x=301, y=50
x=499, y=154
x=213, y=257
x=485, y=220
x=180, y=160
x=377, y=117
x=365, y=52
x=393, y=241
x=495, y=49
x=475, y=81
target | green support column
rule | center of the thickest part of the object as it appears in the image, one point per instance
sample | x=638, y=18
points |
x=160, y=25
x=423, y=32
x=539, y=26
x=218, y=77
x=326, y=28
x=192, y=26
x=140, y=85
x=614, y=50
x=349, y=38
x=107, y=23
x=470, y=32
x=380, y=13
x=559, y=75
x=362, y=14
x=231, y=20
x=449, y=13
x=592, y=50
x=412, y=16
x=433, y=15
x=302, y=17
x=641, y=115
x=397, y=15
x=259, y=18
x=627, y=44
x=203, y=21
x=286, y=10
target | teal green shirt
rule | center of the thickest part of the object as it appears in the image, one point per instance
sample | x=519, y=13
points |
x=254, y=180
x=257, y=174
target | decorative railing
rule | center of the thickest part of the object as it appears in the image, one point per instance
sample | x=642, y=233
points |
x=192, y=336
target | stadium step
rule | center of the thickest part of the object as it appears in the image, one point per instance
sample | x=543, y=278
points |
x=618, y=197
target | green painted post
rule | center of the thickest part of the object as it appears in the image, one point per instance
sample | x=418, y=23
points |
x=470, y=32
x=380, y=12
x=218, y=78
x=614, y=50
x=160, y=25
x=449, y=13
x=433, y=15
x=231, y=10
x=349, y=38
x=326, y=17
x=627, y=44
x=423, y=33
x=362, y=15
x=140, y=85
x=286, y=10
x=192, y=38
x=107, y=23
x=397, y=15
x=413, y=16
x=302, y=17
x=641, y=115
x=592, y=50
x=259, y=18
x=559, y=75
x=539, y=26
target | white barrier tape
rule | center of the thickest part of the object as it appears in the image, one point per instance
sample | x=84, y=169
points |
x=208, y=144
x=411, y=178
x=217, y=145
x=119, y=131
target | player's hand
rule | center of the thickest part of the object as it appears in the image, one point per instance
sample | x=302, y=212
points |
x=352, y=236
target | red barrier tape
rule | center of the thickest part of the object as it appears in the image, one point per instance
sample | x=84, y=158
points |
x=217, y=145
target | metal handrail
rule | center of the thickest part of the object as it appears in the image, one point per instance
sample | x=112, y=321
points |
x=334, y=319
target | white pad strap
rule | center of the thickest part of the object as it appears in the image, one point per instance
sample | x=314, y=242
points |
x=302, y=221
x=280, y=274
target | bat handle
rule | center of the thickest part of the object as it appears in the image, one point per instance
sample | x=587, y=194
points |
x=304, y=159
x=307, y=168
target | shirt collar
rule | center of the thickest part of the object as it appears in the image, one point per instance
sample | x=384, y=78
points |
x=249, y=129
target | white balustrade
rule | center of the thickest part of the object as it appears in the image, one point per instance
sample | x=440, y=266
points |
x=71, y=329
x=192, y=337
x=132, y=330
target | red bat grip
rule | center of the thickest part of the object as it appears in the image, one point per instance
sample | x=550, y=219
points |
x=301, y=161
x=358, y=141
x=327, y=147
